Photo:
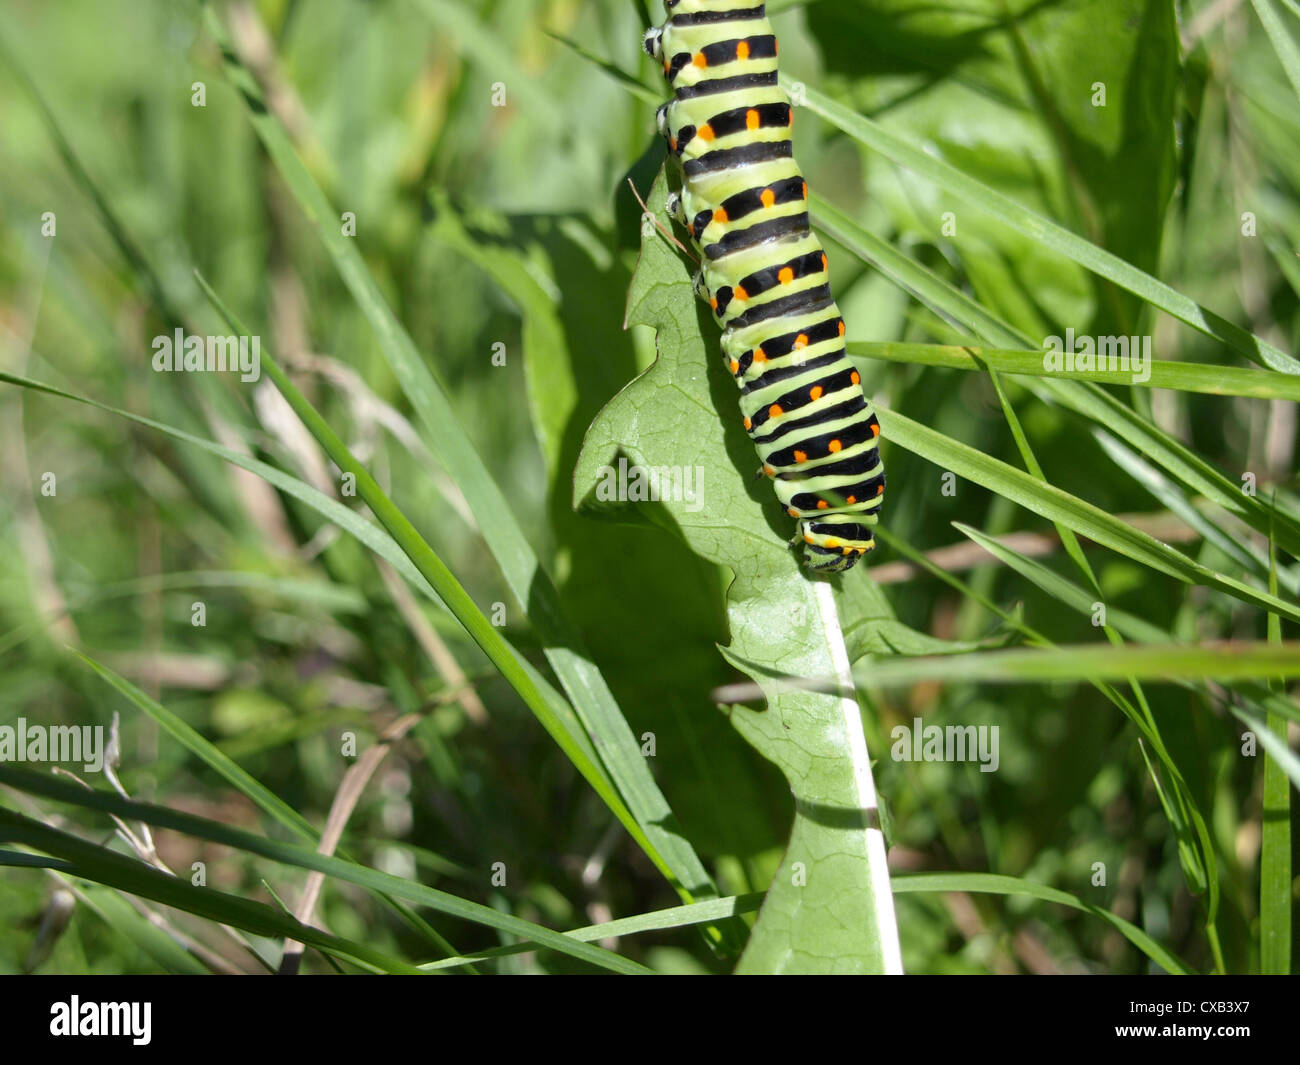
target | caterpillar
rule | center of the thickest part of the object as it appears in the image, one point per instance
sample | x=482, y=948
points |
x=765, y=275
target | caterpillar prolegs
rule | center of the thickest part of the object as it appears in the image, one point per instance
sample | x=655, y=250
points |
x=765, y=274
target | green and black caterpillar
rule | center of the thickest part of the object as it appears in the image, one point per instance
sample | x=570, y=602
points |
x=765, y=274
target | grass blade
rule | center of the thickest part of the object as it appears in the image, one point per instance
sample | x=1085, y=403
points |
x=991, y=884
x=1178, y=376
x=1275, y=893
x=587, y=690
x=261, y=796
x=1221, y=660
x=103, y=866
x=1048, y=233
x=1056, y=505
x=1283, y=43
x=449, y=590
x=285, y=853
x=655, y=921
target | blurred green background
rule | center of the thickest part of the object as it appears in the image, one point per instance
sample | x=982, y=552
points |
x=510, y=230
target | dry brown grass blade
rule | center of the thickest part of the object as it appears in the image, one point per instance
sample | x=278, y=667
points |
x=345, y=800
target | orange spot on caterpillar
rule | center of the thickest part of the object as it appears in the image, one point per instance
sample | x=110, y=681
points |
x=826, y=263
x=752, y=119
x=672, y=143
x=775, y=411
x=855, y=377
x=771, y=472
x=801, y=341
x=735, y=366
x=700, y=60
x=822, y=504
x=792, y=512
x=801, y=456
x=741, y=294
x=713, y=302
x=841, y=327
x=808, y=538
x=748, y=425
x=805, y=190
x=815, y=393
x=875, y=430
x=880, y=490
x=785, y=276
x=768, y=197
x=742, y=50
x=760, y=355
x=705, y=133
x=720, y=216
x=851, y=500
x=834, y=446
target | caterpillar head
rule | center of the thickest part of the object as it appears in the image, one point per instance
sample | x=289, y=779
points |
x=820, y=563
x=833, y=548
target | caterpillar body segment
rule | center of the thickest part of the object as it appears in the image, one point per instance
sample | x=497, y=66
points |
x=765, y=275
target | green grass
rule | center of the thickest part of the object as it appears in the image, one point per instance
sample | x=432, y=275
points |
x=645, y=741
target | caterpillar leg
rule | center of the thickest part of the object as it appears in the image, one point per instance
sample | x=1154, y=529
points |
x=675, y=209
x=651, y=42
x=698, y=284
x=661, y=119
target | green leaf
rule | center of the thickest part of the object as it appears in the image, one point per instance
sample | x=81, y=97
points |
x=889, y=636
x=828, y=907
x=1000, y=96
